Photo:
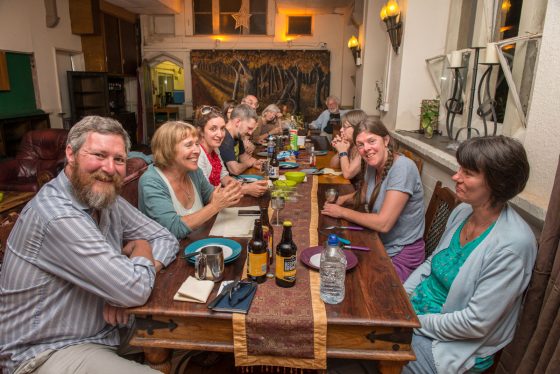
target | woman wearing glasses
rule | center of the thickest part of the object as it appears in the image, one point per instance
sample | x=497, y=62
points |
x=269, y=123
x=392, y=195
x=174, y=191
x=348, y=158
x=212, y=130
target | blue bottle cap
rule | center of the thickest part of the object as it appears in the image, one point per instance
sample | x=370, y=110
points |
x=332, y=240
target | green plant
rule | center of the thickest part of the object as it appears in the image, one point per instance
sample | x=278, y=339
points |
x=429, y=116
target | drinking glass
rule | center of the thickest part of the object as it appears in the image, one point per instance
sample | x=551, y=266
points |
x=277, y=203
x=331, y=195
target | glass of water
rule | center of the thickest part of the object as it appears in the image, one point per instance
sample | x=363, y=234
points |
x=331, y=195
x=277, y=203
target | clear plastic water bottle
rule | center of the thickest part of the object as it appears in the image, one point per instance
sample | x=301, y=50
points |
x=333, y=272
x=270, y=147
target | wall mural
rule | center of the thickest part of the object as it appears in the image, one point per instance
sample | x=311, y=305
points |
x=299, y=79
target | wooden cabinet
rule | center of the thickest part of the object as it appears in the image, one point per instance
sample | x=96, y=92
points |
x=115, y=51
x=12, y=130
x=109, y=36
x=88, y=94
x=101, y=95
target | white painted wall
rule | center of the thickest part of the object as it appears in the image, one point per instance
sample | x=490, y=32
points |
x=374, y=40
x=332, y=29
x=542, y=138
x=23, y=29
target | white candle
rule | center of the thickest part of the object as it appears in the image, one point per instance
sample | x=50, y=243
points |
x=456, y=59
x=491, y=53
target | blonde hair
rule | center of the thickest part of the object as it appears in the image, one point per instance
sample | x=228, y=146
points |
x=166, y=137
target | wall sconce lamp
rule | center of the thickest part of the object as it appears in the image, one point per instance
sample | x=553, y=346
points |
x=354, y=45
x=391, y=15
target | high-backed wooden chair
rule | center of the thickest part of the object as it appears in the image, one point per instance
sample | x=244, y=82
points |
x=414, y=157
x=441, y=204
x=6, y=225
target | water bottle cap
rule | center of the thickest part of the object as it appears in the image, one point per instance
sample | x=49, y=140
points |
x=332, y=240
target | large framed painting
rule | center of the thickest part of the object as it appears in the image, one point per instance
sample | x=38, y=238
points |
x=295, y=78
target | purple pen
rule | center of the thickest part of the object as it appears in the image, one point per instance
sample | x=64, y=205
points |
x=356, y=247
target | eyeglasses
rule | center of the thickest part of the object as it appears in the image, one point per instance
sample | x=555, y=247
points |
x=207, y=109
x=346, y=125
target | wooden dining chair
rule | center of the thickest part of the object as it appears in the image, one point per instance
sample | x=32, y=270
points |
x=441, y=204
x=414, y=157
x=6, y=225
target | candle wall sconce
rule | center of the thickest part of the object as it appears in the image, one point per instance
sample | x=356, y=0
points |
x=487, y=105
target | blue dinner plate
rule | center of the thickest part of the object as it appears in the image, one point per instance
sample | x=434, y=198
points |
x=231, y=248
x=288, y=165
x=250, y=177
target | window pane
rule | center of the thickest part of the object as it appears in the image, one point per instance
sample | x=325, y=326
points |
x=203, y=23
x=203, y=5
x=230, y=6
x=299, y=25
x=258, y=24
x=227, y=24
x=258, y=6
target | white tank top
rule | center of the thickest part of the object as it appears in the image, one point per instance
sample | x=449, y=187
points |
x=179, y=208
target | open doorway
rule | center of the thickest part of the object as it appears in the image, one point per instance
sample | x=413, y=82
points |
x=163, y=91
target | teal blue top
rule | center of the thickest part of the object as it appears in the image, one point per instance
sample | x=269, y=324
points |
x=431, y=293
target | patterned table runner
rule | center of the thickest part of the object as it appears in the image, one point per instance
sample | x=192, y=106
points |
x=287, y=326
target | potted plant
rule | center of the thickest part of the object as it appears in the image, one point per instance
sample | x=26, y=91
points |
x=429, y=117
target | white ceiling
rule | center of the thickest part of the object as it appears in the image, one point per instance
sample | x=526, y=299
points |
x=176, y=6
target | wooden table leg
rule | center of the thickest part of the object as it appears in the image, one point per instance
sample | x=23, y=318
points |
x=159, y=359
x=391, y=367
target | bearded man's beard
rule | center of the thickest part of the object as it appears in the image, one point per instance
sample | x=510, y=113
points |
x=83, y=184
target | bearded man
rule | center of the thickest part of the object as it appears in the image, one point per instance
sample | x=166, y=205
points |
x=67, y=279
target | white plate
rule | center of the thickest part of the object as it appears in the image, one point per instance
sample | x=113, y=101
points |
x=315, y=260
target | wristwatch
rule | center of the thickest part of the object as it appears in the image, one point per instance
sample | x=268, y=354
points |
x=342, y=154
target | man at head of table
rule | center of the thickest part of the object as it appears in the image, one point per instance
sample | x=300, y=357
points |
x=242, y=124
x=326, y=120
x=67, y=279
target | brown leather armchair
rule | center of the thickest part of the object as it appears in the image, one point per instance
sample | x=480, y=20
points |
x=39, y=158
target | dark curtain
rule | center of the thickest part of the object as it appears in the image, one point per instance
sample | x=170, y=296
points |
x=536, y=345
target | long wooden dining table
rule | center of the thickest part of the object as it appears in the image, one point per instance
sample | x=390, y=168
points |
x=374, y=322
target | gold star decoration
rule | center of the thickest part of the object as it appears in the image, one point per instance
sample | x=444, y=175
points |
x=241, y=18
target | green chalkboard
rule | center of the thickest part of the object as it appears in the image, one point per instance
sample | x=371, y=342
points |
x=20, y=100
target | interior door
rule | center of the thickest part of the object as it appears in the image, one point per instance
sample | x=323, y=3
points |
x=147, y=102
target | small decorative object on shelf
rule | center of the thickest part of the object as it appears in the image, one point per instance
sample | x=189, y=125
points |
x=429, y=117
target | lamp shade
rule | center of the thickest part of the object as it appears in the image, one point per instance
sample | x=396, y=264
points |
x=392, y=8
x=383, y=13
x=353, y=42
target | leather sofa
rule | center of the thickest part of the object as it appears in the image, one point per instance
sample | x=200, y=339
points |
x=39, y=158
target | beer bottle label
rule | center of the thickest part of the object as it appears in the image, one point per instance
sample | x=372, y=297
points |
x=273, y=172
x=256, y=264
x=286, y=268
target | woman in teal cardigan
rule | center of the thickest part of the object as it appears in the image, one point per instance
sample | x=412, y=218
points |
x=174, y=191
x=468, y=294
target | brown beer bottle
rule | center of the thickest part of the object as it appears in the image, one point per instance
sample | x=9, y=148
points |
x=257, y=255
x=286, y=258
x=268, y=233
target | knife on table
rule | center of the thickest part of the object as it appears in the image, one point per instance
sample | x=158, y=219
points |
x=356, y=247
x=224, y=292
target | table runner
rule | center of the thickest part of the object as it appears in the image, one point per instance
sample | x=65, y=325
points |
x=294, y=333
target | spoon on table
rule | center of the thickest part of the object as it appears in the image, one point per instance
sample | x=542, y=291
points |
x=352, y=228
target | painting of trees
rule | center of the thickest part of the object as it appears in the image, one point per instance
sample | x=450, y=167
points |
x=295, y=77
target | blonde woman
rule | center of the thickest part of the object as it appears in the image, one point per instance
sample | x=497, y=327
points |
x=268, y=124
x=174, y=191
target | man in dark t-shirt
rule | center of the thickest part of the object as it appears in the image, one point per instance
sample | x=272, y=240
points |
x=242, y=123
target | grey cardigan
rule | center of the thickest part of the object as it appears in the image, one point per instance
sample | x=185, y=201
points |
x=480, y=313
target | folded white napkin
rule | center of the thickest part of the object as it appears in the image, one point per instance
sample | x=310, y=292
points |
x=194, y=290
x=331, y=171
x=230, y=224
